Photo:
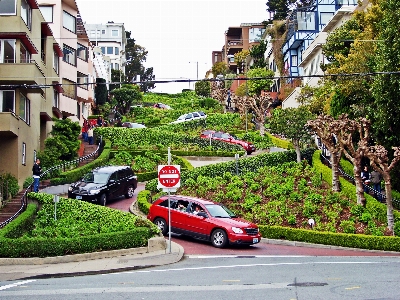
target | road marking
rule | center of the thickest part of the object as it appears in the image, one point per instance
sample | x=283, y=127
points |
x=9, y=286
x=353, y=288
x=248, y=265
x=231, y=280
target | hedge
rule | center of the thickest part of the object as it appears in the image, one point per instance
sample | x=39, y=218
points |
x=35, y=247
x=285, y=144
x=77, y=173
x=386, y=243
x=243, y=164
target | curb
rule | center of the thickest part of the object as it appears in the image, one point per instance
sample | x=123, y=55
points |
x=320, y=246
x=154, y=244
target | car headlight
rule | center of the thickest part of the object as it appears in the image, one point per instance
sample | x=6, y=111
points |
x=70, y=189
x=94, y=192
x=237, y=230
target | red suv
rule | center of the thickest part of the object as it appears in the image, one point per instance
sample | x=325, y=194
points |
x=204, y=220
x=231, y=139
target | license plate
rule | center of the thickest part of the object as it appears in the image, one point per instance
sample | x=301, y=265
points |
x=79, y=197
x=255, y=240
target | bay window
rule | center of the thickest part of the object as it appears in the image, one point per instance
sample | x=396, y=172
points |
x=24, y=108
x=7, y=101
x=7, y=51
x=8, y=7
x=69, y=22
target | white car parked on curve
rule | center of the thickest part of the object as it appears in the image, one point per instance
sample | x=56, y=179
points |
x=190, y=116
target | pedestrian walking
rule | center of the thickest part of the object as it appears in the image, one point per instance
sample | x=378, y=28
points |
x=376, y=179
x=365, y=176
x=36, y=171
x=85, y=128
x=229, y=99
x=90, y=135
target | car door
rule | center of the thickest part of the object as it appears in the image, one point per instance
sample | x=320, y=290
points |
x=179, y=215
x=197, y=225
x=123, y=182
x=113, y=186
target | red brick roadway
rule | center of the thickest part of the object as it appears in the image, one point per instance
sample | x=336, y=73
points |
x=194, y=247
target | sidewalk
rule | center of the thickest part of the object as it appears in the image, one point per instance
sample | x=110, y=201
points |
x=156, y=254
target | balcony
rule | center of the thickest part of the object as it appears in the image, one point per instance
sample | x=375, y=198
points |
x=8, y=124
x=22, y=73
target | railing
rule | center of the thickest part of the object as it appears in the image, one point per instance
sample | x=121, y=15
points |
x=24, y=198
x=377, y=195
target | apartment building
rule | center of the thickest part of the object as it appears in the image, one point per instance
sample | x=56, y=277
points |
x=29, y=85
x=75, y=70
x=238, y=39
x=110, y=38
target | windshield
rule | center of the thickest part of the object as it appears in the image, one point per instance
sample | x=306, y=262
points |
x=96, y=178
x=219, y=211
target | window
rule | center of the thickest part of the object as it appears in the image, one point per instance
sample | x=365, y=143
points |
x=26, y=13
x=7, y=51
x=325, y=18
x=24, y=55
x=56, y=97
x=47, y=12
x=294, y=60
x=103, y=50
x=116, y=51
x=116, y=66
x=69, y=55
x=7, y=101
x=8, y=7
x=109, y=50
x=69, y=22
x=306, y=20
x=69, y=88
x=34, y=156
x=82, y=52
x=24, y=108
x=83, y=79
x=24, y=154
x=78, y=110
x=56, y=62
x=103, y=31
x=114, y=32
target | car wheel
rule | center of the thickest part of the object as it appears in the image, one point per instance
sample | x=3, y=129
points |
x=249, y=152
x=129, y=192
x=103, y=200
x=219, y=238
x=162, y=225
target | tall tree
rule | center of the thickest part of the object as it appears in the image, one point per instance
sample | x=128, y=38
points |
x=291, y=123
x=126, y=96
x=135, y=56
x=257, y=52
x=263, y=81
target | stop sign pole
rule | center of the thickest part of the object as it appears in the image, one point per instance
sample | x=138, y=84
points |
x=169, y=179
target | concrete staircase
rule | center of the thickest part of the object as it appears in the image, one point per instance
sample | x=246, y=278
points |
x=12, y=206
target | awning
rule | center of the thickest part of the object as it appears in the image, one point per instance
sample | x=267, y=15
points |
x=58, y=50
x=44, y=116
x=57, y=86
x=23, y=37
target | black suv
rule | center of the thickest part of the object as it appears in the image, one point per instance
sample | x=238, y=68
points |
x=103, y=184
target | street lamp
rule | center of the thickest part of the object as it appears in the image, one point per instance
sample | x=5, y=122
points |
x=121, y=55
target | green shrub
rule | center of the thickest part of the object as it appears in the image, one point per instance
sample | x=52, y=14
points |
x=9, y=185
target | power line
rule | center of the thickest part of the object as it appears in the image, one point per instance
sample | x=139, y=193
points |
x=186, y=80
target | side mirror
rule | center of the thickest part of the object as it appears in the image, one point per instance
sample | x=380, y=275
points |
x=202, y=214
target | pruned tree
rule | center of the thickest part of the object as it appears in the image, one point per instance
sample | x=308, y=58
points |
x=258, y=105
x=348, y=132
x=291, y=123
x=379, y=160
x=324, y=127
x=219, y=92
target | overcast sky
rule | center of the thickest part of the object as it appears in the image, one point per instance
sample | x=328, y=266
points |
x=175, y=32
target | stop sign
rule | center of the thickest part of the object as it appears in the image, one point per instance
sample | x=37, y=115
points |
x=169, y=176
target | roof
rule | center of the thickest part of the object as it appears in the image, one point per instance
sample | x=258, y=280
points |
x=110, y=169
x=188, y=198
